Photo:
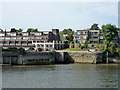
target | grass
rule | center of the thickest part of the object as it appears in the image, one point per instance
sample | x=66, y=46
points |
x=73, y=49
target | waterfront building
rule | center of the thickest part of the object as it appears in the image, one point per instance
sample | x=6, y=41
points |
x=79, y=37
x=41, y=39
x=94, y=37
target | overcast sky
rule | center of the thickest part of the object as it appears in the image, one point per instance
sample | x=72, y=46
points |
x=61, y=15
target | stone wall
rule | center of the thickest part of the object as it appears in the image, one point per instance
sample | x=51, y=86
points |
x=84, y=57
x=48, y=58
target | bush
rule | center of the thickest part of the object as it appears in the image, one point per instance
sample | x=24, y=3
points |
x=31, y=48
x=21, y=51
x=52, y=51
x=79, y=45
x=92, y=45
x=39, y=49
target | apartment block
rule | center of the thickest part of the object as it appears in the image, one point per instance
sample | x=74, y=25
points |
x=44, y=40
x=94, y=36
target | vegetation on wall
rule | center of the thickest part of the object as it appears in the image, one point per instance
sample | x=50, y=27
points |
x=14, y=49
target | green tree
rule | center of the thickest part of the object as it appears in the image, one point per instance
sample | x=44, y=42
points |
x=32, y=30
x=20, y=30
x=21, y=51
x=94, y=27
x=86, y=43
x=109, y=32
x=66, y=43
x=69, y=34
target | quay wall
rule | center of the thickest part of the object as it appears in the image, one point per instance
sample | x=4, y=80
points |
x=30, y=58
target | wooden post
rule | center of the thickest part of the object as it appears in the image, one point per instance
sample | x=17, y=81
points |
x=107, y=58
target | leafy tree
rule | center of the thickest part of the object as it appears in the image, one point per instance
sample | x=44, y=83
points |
x=79, y=45
x=62, y=38
x=109, y=32
x=32, y=30
x=21, y=51
x=69, y=34
x=20, y=30
x=86, y=43
x=66, y=43
x=94, y=27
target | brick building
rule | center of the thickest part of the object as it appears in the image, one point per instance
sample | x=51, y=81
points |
x=94, y=36
x=44, y=40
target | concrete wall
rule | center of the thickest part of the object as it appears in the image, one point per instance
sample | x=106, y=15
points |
x=48, y=57
x=84, y=57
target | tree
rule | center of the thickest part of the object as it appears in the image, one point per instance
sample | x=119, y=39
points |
x=109, y=32
x=62, y=38
x=94, y=27
x=86, y=43
x=69, y=34
x=21, y=51
x=32, y=30
x=66, y=43
x=20, y=30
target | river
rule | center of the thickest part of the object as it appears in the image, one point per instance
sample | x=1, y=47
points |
x=61, y=76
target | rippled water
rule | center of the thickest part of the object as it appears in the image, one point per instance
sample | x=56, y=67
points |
x=61, y=76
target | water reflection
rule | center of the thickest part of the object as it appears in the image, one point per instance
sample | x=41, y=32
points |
x=61, y=76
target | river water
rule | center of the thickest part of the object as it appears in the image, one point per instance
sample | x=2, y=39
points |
x=61, y=76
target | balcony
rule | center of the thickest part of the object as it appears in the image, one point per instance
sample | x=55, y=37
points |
x=18, y=44
x=25, y=44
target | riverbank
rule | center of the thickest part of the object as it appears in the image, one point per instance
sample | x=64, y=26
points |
x=48, y=58
x=45, y=58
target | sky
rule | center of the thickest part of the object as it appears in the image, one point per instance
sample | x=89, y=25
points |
x=57, y=15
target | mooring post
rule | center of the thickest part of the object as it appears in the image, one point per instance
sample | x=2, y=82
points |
x=107, y=58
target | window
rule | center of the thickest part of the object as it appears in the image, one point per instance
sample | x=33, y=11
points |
x=6, y=42
x=50, y=45
x=78, y=37
x=37, y=34
x=84, y=32
x=24, y=42
x=1, y=42
x=13, y=34
x=7, y=38
x=8, y=34
x=31, y=37
x=1, y=34
x=75, y=33
x=25, y=37
x=83, y=41
x=1, y=38
x=25, y=34
x=78, y=42
x=37, y=38
x=78, y=32
x=12, y=42
x=19, y=37
x=84, y=37
x=13, y=37
x=101, y=37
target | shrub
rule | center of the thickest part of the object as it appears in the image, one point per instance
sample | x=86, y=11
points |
x=52, y=51
x=79, y=45
x=39, y=49
x=92, y=45
x=21, y=51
